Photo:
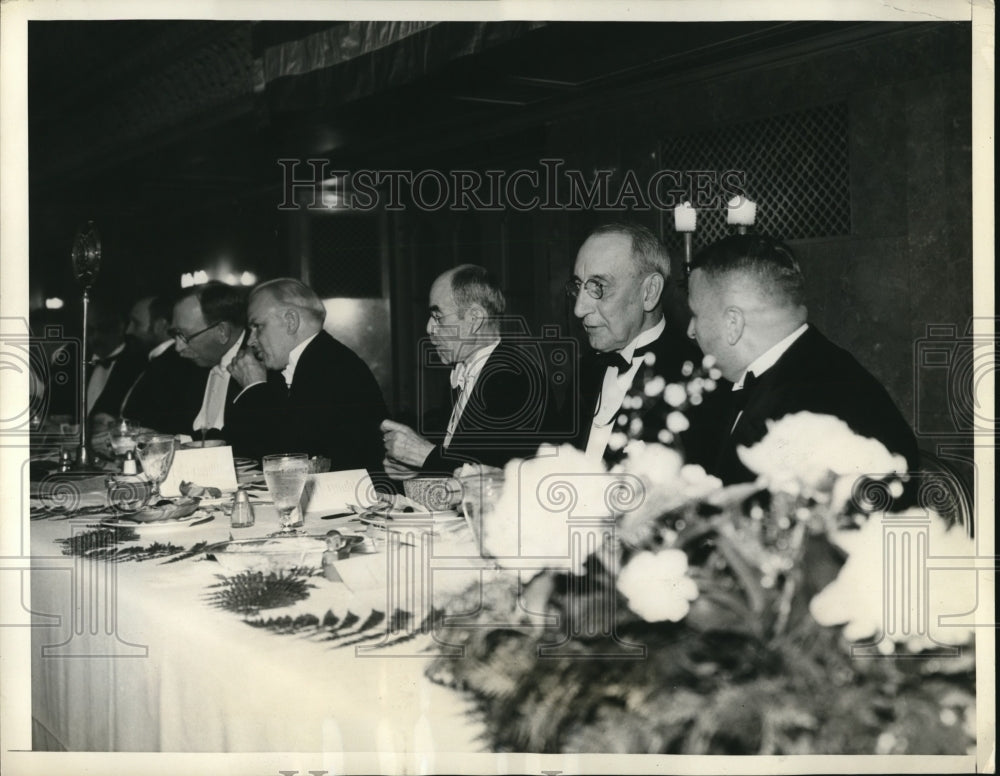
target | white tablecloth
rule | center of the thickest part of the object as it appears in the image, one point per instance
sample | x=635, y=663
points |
x=132, y=656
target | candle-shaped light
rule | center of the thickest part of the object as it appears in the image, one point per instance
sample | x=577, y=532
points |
x=741, y=212
x=685, y=222
x=685, y=217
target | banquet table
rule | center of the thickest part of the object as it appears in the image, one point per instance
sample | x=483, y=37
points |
x=133, y=653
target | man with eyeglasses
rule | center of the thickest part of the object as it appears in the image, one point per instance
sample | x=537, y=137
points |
x=618, y=280
x=499, y=391
x=209, y=323
x=305, y=391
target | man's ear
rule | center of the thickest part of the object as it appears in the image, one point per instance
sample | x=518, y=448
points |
x=476, y=316
x=734, y=322
x=291, y=319
x=652, y=290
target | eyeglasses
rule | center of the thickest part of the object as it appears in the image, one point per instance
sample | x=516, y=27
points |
x=437, y=315
x=594, y=288
x=186, y=338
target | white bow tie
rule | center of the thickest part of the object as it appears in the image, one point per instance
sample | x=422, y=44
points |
x=459, y=375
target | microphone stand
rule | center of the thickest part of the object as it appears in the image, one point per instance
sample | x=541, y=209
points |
x=86, y=258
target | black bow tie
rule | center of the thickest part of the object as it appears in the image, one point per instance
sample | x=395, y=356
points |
x=741, y=397
x=615, y=360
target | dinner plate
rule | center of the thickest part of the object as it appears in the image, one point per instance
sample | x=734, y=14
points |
x=163, y=525
x=272, y=553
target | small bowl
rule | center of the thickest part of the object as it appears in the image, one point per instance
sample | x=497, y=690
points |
x=435, y=493
x=127, y=494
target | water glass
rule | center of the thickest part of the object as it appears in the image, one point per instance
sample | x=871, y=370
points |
x=480, y=494
x=286, y=475
x=156, y=454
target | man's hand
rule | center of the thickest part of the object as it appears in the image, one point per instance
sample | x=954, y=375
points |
x=398, y=471
x=246, y=369
x=404, y=445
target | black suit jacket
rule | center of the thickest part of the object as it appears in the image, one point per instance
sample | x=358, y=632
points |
x=814, y=375
x=168, y=394
x=128, y=366
x=507, y=416
x=333, y=408
x=671, y=349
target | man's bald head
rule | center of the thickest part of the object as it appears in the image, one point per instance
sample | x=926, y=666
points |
x=746, y=294
x=757, y=262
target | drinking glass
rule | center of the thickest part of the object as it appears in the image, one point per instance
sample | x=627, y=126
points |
x=156, y=454
x=286, y=475
x=480, y=493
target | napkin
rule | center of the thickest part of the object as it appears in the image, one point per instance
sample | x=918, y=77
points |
x=209, y=467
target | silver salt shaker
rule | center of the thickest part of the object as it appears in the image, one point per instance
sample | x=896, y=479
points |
x=242, y=516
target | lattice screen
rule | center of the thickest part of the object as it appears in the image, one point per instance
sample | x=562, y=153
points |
x=345, y=255
x=797, y=171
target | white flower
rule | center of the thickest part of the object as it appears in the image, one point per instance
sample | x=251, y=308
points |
x=654, y=386
x=617, y=440
x=657, y=586
x=801, y=451
x=677, y=422
x=653, y=463
x=666, y=482
x=915, y=608
x=530, y=519
x=675, y=394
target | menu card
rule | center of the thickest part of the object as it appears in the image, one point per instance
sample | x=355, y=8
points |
x=211, y=467
x=331, y=492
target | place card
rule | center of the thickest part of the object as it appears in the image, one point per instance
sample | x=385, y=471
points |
x=331, y=492
x=211, y=467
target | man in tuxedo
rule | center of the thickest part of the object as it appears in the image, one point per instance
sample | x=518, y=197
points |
x=305, y=392
x=618, y=280
x=747, y=310
x=209, y=327
x=169, y=392
x=499, y=389
x=115, y=364
x=148, y=322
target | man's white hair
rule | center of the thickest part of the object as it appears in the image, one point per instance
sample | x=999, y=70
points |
x=290, y=292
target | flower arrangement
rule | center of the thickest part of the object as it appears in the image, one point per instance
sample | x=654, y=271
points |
x=658, y=612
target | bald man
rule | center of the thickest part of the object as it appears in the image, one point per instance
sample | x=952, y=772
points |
x=747, y=310
x=303, y=390
x=501, y=399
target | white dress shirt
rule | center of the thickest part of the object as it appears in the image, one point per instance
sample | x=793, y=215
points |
x=464, y=377
x=99, y=377
x=293, y=359
x=160, y=349
x=766, y=360
x=613, y=392
x=213, y=406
